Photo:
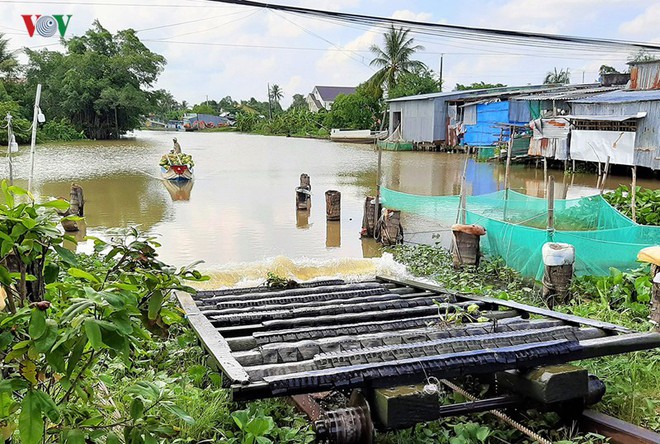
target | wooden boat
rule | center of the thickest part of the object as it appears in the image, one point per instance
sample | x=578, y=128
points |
x=356, y=136
x=177, y=166
x=176, y=172
x=179, y=189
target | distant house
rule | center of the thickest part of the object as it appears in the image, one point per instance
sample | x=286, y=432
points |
x=322, y=97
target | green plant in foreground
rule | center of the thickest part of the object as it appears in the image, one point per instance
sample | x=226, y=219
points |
x=85, y=315
x=647, y=203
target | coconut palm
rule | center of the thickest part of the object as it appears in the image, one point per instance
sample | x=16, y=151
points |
x=395, y=58
x=562, y=77
x=276, y=93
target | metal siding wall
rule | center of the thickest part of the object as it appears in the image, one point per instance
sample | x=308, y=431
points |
x=417, y=120
x=439, y=120
x=484, y=133
x=647, y=140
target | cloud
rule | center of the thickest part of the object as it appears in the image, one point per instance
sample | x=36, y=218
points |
x=645, y=26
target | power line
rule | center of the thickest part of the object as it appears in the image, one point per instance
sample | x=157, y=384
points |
x=500, y=36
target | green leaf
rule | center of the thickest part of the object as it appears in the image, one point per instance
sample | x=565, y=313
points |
x=51, y=272
x=482, y=433
x=66, y=255
x=149, y=439
x=137, y=408
x=260, y=425
x=93, y=332
x=10, y=385
x=5, y=277
x=59, y=204
x=29, y=223
x=47, y=405
x=76, y=354
x=78, y=273
x=30, y=424
x=112, y=439
x=48, y=339
x=75, y=436
x=155, y=303
x=179, y=412
x=37, y=323
x=6, y=338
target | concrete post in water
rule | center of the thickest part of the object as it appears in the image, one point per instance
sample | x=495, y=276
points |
x=388, y=230
x=303, y=193
x=370, y=217
x=558, y=261
x=333, y=205
x=465, y=244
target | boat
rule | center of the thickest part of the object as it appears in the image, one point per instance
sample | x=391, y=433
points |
x=356, y=136
x=179, y=189
x=176, y=166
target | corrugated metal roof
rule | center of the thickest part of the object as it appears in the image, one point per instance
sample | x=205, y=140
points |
x=330, y=93
x=479, y=93
x=569, y=95
x=622, y=96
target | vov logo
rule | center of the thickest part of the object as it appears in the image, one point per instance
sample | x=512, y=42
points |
x=46, y=25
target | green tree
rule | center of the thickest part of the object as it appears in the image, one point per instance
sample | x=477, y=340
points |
x=359, y=110
x=561, y=77
x=8, y=62
x=299, y=102
x=418, y=81
x=227, y=104
x=478, y=85
x=99, y=82
x=163, y=103
x=395, y=58
x=203, y=108
x=606, y=69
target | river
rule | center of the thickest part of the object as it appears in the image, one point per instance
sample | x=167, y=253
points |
x=239, y=216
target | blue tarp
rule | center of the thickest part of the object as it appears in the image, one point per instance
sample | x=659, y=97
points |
x=485, y=132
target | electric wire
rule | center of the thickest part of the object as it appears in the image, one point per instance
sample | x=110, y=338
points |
x=500, y=36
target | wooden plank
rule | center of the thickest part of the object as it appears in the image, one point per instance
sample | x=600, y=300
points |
x=568, y=318
x=212, y=340
x=619, y=432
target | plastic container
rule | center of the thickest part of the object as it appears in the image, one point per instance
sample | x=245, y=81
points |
x=555, y=253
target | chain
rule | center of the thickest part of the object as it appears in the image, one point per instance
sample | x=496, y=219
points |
x=513, y=423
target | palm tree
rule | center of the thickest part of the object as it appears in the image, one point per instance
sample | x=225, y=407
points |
x=276, y=93
x=395, y=58
x=558, y=77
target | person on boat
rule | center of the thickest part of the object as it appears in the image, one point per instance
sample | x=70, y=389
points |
x=177, y=148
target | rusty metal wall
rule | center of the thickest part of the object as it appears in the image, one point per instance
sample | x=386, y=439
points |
x=647, y=140
x=645, y=76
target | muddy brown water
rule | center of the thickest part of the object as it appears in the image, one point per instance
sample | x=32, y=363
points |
x=239, y=214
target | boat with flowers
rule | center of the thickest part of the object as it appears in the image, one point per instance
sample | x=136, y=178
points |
x=177, y=166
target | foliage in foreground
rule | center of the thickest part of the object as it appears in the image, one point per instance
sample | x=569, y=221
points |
x=632, y=380
x=647, y=203
x=94, y=350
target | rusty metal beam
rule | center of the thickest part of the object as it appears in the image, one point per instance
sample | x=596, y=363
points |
x=619, y=432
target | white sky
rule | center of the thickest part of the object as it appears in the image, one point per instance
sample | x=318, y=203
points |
x=217, y=50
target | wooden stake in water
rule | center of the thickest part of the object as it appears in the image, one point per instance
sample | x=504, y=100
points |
x=9, y=134
x=377, y=200
x=508, y=163
x=551, y=206
x=633, y=193
x=461, y=216
x=545, y=172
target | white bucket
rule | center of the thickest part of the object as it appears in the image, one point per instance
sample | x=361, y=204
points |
x=555, y=253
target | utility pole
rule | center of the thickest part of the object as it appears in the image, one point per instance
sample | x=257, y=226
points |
x=270, y=110
x=9, y=140
x=35, y=123
x=441, y=60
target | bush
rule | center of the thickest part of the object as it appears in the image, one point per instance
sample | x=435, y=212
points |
x=60, y=129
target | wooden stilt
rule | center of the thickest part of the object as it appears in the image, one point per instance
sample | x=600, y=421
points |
x=605, y=172
x=545, y=172
x=370, y=216
x=550, y=192
x=376, y=214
